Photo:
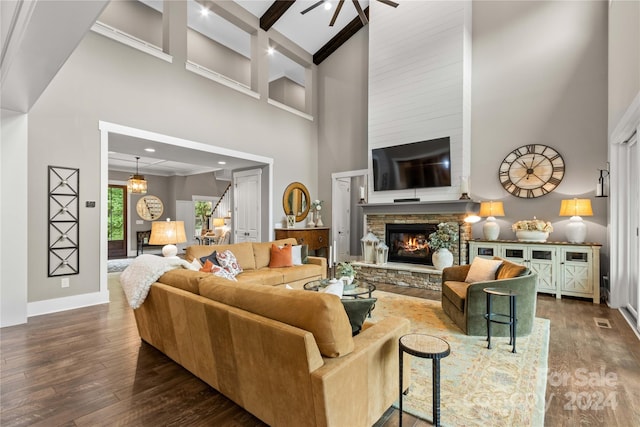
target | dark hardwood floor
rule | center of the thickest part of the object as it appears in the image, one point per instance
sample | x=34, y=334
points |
x=88, y=367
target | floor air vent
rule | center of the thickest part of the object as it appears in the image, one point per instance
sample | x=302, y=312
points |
x=602, y=323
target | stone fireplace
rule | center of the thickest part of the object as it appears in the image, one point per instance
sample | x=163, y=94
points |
x=409, y=242
x=419, y=219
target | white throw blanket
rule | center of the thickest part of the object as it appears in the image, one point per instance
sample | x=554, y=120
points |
x=143, y=272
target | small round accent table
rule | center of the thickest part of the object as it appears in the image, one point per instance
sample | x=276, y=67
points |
x=428, y=347
x=504, y=319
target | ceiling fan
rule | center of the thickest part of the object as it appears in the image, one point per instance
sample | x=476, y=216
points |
x=363, y=16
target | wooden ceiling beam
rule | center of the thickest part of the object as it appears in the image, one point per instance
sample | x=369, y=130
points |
x=275, y=12
x=339, y=39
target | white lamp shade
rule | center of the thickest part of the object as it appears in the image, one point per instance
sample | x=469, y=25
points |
x=491, y=229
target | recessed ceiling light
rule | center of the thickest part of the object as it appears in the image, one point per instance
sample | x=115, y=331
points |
x=222, y=163
x=327, y=5
x=150, y=150
x=270, y=50
x=204, y=11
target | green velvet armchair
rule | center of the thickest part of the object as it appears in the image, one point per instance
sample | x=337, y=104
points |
x=466, y=304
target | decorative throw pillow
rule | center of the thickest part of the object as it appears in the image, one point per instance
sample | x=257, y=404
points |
x=280, y=257
x=296, y=254
x=228, y=261
x=357, y=309
x=208, y=265
x=212, y=256
x=223, y=272
x=482, y=269
x=508, y=269
x=335, y=288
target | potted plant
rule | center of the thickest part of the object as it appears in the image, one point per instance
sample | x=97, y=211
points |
x=441, y=241
x=532, y=230
x=346, y=272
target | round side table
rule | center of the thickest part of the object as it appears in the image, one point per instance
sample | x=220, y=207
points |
x=428, y=347
x=509, y=319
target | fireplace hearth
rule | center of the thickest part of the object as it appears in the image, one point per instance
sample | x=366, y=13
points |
x=409, y=242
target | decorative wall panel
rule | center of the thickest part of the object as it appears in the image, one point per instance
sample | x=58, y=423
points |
x=64, y=228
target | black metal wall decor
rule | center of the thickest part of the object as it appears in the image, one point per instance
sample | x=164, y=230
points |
x=64, y=229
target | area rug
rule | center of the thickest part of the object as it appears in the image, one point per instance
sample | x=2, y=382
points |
x=478, y=386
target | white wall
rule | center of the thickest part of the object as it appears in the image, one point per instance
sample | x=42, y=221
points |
x=14, y=228
x=104, y=80
x=539, y=77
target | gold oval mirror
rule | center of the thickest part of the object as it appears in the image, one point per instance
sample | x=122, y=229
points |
x=296, y=201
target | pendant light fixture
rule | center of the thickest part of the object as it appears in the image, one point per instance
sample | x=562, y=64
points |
x=137, y=184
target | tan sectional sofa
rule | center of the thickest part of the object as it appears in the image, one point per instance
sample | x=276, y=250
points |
x=254, y=259
x=285, y=355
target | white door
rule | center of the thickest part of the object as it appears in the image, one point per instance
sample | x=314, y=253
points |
x=246, y=205
x=341, y=227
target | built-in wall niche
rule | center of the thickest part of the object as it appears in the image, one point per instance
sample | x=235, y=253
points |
x=287, y=81
x=218, y=46
x=140, y=19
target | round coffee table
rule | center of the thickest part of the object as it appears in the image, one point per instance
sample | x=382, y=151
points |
x=428, y=347
x=360, y=288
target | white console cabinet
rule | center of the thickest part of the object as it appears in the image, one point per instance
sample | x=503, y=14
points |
x=562, y=268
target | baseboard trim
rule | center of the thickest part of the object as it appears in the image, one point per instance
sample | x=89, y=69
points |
x=55, y=305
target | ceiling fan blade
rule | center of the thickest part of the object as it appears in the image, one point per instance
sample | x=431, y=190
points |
x=361, y=13
x=389, y=2
x=313, y=6
x=335, y=14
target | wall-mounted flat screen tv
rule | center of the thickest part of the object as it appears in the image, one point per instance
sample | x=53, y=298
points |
x=420, y=164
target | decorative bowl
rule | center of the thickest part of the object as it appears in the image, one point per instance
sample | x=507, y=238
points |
x=532, y=235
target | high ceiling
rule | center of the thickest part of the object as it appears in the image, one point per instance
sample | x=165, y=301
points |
x=26, y=35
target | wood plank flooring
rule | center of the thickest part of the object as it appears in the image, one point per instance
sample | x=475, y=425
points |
x=88, y=367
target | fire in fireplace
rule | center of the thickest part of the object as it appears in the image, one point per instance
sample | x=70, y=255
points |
x=409, y=242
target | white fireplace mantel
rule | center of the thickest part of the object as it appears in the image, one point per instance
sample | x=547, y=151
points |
x=419, y=207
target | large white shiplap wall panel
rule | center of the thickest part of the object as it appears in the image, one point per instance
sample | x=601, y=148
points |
x=419, y=84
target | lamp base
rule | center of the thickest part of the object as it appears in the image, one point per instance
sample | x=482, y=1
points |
x=169, y=251
x=491, y=229
x=576, y=230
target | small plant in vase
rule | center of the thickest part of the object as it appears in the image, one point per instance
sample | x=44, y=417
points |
x=346, y=272
x=441, y=241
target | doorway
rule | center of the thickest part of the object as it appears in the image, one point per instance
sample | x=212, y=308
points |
x=246, y=205
x=347, y=190
x=117, y=221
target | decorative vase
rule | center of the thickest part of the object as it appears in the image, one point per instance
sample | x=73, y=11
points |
x=532, y=235
x=319, y=222
x=310, y=222
x=442, y=258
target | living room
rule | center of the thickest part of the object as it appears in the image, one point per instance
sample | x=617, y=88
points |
x=551, y=88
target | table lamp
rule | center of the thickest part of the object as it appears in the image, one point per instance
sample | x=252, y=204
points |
x=167, y=233
x=491, y=229
x=576, y=208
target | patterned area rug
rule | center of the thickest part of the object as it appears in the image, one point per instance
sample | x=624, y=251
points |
x=478, y=387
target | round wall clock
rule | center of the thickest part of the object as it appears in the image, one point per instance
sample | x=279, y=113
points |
x=149, y=208
x=531, y=171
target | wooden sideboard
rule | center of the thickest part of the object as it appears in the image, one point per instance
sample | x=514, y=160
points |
x=563, y=268
x=317, y=238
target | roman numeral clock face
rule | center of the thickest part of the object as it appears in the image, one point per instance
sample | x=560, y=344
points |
x=531, y=171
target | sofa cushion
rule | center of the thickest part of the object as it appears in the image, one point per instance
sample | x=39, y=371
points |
x=229, y=262
x=456, y=292
x=187, y=280
x=508, y=269
x=321, y=314
x=281, y=256
x=264, y=276
x=262, y=251
x=482, y=269
x=300, y=272
x=242, y=251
